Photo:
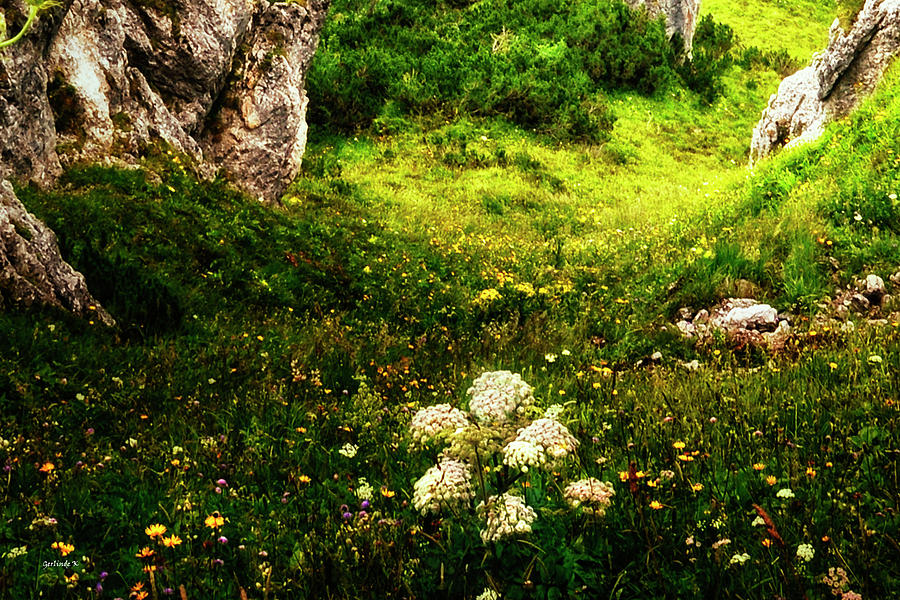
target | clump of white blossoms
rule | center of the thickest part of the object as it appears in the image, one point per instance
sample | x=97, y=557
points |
x=523, y=455
x=445, y=485
x=488, y=594
x=498, y=395
x=592, y=495
x=506, y=516
x=349, y=450
x=553, y=411
x=364, y=489
x=805, y=552
x=785, y=493
x=552, y=436
x=431, y=421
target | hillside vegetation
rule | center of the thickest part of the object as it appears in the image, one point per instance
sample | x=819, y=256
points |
x=256, y=399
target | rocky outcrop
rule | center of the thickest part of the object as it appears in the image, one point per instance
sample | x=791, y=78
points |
x=259, y=132
x=219, y=80
x=32, y=271
x=27, y=132
x=834, y=83
x=681, y=16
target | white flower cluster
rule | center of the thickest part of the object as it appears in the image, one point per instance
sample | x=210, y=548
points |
x=15, y=552
x=805, y=552
x=443, y=485
x=592, y=495
x=433, y=420
x=551, y=435
x=785, y=493
x=364, y=489
x=506, y=516
x=522, y=455
x=488, y=594
x=739, y=559
x=553, y=411
x=349, y=450
x=496, y=395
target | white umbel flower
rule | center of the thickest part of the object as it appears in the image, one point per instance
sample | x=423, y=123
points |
x=431, y=421
x=444, y=485
x=553, y=411
x=498, y=395
x=552, y=436
x=523, y=455
x=805, y=552
x=506, y=516
x=488, y=594
x=592, y=495
x=349, y=450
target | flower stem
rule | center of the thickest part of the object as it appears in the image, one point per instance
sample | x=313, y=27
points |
x=32, y=13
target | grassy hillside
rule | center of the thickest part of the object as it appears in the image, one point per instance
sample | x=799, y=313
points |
x=257, y=396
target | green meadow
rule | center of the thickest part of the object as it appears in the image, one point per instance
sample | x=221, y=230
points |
x=253, y=427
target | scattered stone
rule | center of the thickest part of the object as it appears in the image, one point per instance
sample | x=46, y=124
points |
x=874, y=289
x=685, y=313
x=758, y=317
x=834, y=84
x=694, y=365
x=32, y=272
x=687, y=328
x=860, y=303
x=656, y=356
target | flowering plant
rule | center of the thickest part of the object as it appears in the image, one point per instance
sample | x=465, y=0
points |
x=490, y=449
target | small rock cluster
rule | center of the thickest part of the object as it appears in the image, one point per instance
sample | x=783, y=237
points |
x=748, y=322
x=868, y=297
x=744, y=321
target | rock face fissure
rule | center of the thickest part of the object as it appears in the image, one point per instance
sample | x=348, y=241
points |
x=31, y=268
x=220, y=80
x=834, y=83
x=105, y=80
x=681, y=16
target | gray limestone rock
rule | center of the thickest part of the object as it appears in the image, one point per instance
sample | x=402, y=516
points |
x=834, y=83
x=259, y=133
x=681, y=16
x=220, y=80
x=31, y=269
x=27, y=132
x=873, y=289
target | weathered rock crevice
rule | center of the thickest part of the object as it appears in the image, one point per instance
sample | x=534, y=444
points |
x=104, y=80
x=32, y=272
x=834, y=83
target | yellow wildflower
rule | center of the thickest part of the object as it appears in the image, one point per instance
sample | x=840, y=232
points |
x=214, y=520
x=155, y=530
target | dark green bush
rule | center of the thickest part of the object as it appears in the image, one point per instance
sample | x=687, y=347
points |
x=711, y=58
x=541, y=65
